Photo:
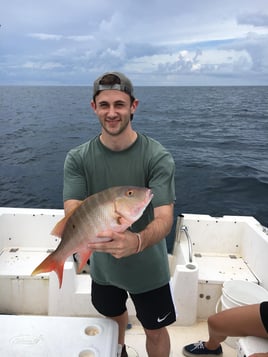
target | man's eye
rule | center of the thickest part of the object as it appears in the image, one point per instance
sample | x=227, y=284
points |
x=120, y=104
x=103, y=105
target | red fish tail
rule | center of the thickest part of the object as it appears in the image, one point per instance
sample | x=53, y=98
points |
x=50, y=264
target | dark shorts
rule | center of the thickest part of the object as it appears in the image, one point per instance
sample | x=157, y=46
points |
x=154, y=309
x=264, y=314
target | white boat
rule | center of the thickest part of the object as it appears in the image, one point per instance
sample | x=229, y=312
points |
x=208, y=253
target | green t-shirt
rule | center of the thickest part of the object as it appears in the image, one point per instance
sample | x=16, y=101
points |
x=92, y=167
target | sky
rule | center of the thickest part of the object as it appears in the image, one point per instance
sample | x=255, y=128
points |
x=154, y=42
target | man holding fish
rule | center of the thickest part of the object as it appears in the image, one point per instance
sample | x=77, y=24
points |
x=124, y=261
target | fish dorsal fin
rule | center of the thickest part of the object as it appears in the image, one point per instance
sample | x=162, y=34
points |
x=57, y=231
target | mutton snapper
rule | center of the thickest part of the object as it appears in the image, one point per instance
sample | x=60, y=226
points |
x=115, y=209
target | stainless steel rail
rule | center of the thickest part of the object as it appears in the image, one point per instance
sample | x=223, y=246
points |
x=190, y=246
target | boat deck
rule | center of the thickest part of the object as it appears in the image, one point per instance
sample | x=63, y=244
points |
x=20, y=261
x=220, y=268
x=179, y=336
x=227, y=248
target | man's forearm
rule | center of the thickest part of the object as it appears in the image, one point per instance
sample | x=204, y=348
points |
x=70, y=205
x=159, y=228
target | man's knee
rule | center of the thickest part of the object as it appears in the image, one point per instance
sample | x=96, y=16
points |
x=155, y=336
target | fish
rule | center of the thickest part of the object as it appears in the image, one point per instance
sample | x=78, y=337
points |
x=115, y=208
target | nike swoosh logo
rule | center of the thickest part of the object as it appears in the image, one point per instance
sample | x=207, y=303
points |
x=163, y=318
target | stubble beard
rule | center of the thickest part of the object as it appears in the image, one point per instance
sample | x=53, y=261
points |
x=119, y=131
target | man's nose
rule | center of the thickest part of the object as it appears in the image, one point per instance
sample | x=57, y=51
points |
x=111, y=111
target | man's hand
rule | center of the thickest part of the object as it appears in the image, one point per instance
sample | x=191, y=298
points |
x=121, y=244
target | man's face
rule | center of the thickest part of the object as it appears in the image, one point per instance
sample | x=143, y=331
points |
x=114, y=110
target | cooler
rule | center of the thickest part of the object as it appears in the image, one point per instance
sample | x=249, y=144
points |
x=47, y=336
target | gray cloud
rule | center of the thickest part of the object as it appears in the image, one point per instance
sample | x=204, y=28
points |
x=254, y=19
x=64, y=41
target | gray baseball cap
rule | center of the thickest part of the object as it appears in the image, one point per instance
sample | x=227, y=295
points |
x=113, y=80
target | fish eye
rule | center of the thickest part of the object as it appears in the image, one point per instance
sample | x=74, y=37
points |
x=130, y=193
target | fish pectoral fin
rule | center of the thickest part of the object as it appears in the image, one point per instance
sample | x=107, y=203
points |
x=82, y=259
x=119, y=218
x=122, y=221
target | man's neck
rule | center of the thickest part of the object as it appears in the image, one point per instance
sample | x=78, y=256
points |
x=118, y=142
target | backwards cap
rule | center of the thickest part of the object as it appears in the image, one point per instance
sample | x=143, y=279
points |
x=113, y=80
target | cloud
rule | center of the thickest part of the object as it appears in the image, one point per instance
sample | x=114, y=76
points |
x=255, y=19
x=54, y=37
x=72, y=42
x=41, y=65
x=255, y=48
x=46, y=36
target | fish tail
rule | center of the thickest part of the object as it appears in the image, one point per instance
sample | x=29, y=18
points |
x=50, y=264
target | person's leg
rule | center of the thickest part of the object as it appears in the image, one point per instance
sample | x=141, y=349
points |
x=234, y=322
x=157, y=342
x=110, y=301
x=238, y=321
x=122, y=321
x=155, y=310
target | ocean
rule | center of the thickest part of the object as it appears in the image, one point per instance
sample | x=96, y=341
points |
x=218, y=137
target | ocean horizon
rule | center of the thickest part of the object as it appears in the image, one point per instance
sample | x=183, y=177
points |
x=218, y=136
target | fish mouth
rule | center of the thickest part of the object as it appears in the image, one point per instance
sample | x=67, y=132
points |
x=138, y=212
x=149, y=195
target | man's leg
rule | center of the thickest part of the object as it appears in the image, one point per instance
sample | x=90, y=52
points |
x=110, y=301
x=122, y=321
x=155, y=310
x=157, y=342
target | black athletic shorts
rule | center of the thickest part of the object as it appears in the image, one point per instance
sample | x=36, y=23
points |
x=154, y=309
x=264, y=314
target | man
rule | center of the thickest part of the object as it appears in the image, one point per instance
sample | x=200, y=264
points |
x=134, y=262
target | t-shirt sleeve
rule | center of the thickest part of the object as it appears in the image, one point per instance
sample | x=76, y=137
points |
x=74, y=184
x=162, y=179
